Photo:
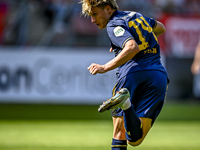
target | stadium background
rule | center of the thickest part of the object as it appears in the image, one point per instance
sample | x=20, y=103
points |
x=45, y=48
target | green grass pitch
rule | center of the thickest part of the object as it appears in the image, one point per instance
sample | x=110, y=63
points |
x=64, y=127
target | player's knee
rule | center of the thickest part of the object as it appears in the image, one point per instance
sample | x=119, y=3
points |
x=136, y=143
x=134, y=139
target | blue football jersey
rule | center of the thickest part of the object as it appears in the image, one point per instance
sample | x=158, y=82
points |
x=127, y=25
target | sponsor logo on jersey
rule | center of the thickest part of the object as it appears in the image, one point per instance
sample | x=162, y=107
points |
x=119, y=31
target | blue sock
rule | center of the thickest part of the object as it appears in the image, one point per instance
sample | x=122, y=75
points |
x=119, y=144
x=132, y=125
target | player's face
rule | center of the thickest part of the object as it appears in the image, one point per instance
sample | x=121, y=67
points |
x=100, y=17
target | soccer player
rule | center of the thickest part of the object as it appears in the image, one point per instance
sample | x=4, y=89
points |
x=195, y=68
x=140, y=90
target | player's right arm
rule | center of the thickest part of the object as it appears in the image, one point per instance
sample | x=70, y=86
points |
x=159, y=29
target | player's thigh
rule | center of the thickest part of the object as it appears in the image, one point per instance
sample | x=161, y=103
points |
x=148, y=93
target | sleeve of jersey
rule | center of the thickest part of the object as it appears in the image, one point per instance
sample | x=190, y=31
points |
x=119, y=35
x=151, y=21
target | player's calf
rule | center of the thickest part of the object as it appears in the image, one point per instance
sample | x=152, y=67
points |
x=146, y=126
x=133, y=125
x=120, y=133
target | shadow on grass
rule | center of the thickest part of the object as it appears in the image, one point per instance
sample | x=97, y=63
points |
x=51, y=112
x=172, y=111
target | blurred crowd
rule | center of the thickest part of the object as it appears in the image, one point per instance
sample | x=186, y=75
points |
x=58, y=22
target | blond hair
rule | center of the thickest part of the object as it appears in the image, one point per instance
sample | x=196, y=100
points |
x=88, y=4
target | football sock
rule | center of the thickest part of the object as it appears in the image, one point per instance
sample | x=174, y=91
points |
x=126, y=104
x=132, y=125
x=119, y=144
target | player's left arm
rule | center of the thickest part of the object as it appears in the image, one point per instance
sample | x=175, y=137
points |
x=159, y=28
x=129, y=51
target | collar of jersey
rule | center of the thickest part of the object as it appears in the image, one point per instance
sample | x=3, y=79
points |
x=114, y=13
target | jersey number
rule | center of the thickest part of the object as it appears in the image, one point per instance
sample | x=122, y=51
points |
x=145, y=26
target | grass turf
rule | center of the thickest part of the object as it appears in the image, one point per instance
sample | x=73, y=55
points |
x=93, y=135
x=70, y=127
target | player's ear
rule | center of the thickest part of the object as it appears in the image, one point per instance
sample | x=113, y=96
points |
x=108, y=8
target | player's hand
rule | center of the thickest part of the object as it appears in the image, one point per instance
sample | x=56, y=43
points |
x=111, y=49
x=96, y=68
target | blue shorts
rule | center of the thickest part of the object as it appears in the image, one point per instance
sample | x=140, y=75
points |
x=147, y=90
